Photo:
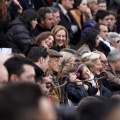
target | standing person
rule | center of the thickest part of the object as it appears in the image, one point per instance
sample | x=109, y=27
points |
x=19, y=34
x=61, y=37
x=68, y=21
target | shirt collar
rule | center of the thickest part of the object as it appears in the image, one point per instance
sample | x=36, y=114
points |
x=64, y=11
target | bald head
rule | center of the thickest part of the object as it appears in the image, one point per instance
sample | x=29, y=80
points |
x=3, y=75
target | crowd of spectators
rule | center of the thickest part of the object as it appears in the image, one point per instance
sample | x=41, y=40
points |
x=60, y=59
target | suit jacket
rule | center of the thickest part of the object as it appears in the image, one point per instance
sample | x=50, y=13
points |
x=113, y=78
x=74, y=38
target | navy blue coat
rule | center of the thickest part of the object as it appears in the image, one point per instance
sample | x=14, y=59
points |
x=75, y=92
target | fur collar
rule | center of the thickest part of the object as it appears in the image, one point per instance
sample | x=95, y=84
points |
x=79, y=19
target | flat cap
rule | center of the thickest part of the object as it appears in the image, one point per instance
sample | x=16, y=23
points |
x=53, y=53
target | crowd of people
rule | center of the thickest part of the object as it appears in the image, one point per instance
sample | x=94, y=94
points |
x=59, y=59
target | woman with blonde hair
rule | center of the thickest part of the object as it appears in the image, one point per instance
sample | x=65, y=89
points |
x=44, y=39
x=67, y=60
x=61, y=37
x=92, y=61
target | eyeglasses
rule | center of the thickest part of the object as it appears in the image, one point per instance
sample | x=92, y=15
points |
x=118, y=41
x=104, y=62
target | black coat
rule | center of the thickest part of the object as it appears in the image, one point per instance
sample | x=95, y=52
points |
x=104, y=48
x=75, y=92
x=40, y=29
x=74, y=38
x=38, y=73
x=18, y=36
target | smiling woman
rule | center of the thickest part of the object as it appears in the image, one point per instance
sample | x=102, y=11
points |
x=45, y=39
x=61, y=37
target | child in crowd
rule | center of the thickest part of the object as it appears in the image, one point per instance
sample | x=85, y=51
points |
x=74, y=88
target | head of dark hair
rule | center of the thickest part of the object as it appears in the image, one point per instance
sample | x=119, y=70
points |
x=17, y=98
x=101, y=14
x=54, y=10
x=97, y=26
x=15, y=64
x=42, y=13
x=89, y=108
x=79, y=70
x=89, y=38
x=101, y=1
x=36, y=52
x=109, y=107
x=59, y=1
x=76, y=3
x=27, y=16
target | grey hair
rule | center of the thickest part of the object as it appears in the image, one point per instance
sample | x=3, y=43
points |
x=112, y=36
x=113, y=55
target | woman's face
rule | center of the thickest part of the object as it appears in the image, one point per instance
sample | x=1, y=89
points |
x=97, y=67
x=97, y=41
x=71, y=62
x=83, y=6
x=44, y=43
x=86, y=73
x=60, y=37
x=50, y=41
x=34, y=23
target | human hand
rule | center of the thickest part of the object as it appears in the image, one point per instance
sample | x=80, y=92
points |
x=18, y=6
x=86, y=87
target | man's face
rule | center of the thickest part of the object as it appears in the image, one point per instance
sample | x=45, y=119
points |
x=48, y=21
x=28, y=74
x=93, y=6
x=102, y=6
x=68, y=4
x=54, y=64
x=45, y=63
x=105, y=21
x=112, y=21
x=104, y=62
x=56, y=18
x=103, y=32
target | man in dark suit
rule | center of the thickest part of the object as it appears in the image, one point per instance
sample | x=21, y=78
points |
x=68, y=21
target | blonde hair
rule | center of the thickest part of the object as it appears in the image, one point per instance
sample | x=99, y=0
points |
x=65, y=59
x=58, y=28
x=90, y=58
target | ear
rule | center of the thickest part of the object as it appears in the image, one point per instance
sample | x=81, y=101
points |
x=42, y=20
x=100, y=21
x=41, y=60
x=117, y=60
x=14, y=78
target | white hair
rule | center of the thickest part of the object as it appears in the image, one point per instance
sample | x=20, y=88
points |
x=112, y=36
x=113, y=55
